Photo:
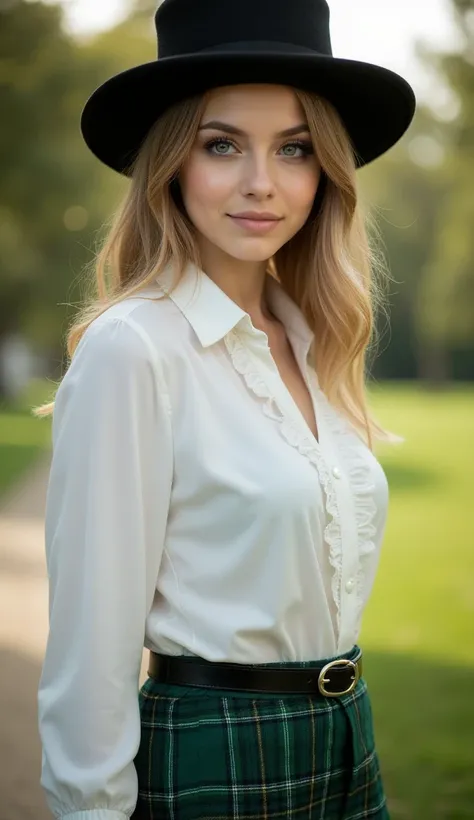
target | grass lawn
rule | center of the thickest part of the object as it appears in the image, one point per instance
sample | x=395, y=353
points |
x=418, y=631
x=22, y=436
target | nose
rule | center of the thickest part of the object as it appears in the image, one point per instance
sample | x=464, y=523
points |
x=257, y=178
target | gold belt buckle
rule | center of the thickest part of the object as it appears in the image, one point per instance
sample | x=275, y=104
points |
x=322, y=679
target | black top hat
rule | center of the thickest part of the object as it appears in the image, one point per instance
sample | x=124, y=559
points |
x=203, y=44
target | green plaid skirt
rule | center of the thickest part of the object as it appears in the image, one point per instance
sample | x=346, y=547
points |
x=229, y=755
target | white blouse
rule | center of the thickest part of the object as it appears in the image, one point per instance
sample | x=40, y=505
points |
x=190, y=510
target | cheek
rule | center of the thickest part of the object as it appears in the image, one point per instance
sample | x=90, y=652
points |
x=203, y=184
x=301, y=189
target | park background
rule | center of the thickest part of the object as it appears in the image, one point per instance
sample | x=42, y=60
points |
x=54, y=200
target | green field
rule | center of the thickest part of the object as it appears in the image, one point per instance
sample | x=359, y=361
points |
x=418, y=631
x=22, y=440
x=22, y=437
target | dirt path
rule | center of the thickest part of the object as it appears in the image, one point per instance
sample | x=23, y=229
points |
x=23, y=630
x=23, y=634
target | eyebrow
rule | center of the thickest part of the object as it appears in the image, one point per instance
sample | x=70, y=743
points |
x=232, y=129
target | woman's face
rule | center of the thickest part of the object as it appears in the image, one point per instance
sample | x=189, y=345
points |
x=241, y=162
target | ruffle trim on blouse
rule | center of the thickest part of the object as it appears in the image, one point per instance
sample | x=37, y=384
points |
x=295, y=436
x=362, y=485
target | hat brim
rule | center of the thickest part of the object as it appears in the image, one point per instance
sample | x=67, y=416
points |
x=376, y=104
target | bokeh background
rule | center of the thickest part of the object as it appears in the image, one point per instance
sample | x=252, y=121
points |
x=54, y=200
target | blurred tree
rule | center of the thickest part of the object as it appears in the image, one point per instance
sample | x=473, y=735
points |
x=445, y=303
x=404, y=190
x=421, y=192
x=55, y=196
x=45, y=194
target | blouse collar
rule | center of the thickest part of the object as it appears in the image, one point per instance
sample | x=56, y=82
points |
x=213, y=314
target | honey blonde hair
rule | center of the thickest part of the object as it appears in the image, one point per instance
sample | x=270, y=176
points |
x=330, y=268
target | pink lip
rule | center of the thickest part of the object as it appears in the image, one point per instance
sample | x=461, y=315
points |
x=256, y=215
x=255, y=225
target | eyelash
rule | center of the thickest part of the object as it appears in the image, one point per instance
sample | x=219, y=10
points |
x=306, y=147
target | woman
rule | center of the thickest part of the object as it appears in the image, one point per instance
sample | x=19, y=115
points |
x=213, y=493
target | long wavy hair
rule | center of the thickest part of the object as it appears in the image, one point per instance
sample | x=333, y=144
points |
x=332, y=268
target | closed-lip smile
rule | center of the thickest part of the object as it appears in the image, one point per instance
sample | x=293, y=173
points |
x=258, y=217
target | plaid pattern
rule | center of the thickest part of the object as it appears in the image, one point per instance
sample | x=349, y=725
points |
x=221, y=755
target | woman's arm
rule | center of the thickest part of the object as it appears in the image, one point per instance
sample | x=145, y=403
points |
x=106, y=512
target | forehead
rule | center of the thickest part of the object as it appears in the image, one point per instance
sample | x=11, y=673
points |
x=255, y=103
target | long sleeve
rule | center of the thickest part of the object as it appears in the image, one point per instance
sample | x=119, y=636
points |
x=106, y=513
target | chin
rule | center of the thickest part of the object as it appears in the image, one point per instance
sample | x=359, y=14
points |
x=257, y=250
x=253, y=257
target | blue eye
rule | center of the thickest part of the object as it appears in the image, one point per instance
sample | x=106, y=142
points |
x=304, y=146
x=218, y=141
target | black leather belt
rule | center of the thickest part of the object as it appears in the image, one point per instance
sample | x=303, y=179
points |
x=336, y=678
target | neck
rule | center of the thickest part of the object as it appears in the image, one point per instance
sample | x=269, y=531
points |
x=242, y=281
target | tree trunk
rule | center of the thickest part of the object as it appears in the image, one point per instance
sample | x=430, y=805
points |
x=434, y=365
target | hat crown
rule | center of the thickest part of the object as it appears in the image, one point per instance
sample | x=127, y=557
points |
x=191, y=26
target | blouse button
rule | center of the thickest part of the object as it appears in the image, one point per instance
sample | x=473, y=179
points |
x=336, y=472
x=350, y=585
